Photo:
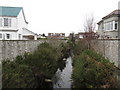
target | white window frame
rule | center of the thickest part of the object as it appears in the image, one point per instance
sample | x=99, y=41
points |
x=109, y=26
x=7, y=22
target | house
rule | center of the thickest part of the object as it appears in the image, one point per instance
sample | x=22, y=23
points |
x=86, y=35
x=56, y=35
x=41, y=36
x=108, y=27
x=13, y=24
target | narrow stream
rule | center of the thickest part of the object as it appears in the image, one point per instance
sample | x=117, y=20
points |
x=62, y=78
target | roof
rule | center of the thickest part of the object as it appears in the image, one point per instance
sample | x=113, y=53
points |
x=115, y=12
x=100, y=22
x=29, y=31
x=9, y=11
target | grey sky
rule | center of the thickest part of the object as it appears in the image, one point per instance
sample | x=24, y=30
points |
x=61, y=15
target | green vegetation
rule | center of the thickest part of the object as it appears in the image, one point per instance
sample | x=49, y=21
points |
x=31, y=69
x=91, y=70
x=43, y=60
x=17, y=75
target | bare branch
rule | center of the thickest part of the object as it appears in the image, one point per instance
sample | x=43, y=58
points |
x=89, y=25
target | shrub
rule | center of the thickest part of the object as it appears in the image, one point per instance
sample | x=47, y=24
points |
x=91, y=72
x=17, y=75
x=43, y=60
x=30, y=70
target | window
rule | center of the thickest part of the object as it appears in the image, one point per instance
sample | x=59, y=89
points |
x=108, y=26
x=0, y=36
x=7, y=36
x=116, y=25
x=19, y=36
x=111, y=25
x=7, y=22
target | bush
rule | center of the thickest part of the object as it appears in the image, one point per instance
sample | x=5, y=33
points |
x=43, y=60
x=91, y=72
x=31, y=69
x=17, y=75
x=78, y=47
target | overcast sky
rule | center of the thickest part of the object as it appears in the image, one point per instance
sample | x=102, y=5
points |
x=57, y=16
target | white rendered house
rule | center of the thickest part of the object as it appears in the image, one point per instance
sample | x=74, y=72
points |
x=13, y=25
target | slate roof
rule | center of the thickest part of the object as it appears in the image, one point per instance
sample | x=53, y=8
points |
x=9, y=11
x=115, y=12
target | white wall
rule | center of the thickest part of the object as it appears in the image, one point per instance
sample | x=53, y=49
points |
x=21, y=22
x=14, y=24
x=13, y=35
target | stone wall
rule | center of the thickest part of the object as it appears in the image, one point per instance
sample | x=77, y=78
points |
x=9, y=49
x=109, y=49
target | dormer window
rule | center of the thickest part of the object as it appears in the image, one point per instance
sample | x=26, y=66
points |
x=7, y=22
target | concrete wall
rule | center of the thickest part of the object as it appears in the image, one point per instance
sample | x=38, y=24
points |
x=11, y=48
x=109, y=49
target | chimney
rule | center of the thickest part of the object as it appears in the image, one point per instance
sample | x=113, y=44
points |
x=119, y=5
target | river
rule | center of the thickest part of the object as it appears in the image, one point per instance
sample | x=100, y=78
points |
x=62, y=78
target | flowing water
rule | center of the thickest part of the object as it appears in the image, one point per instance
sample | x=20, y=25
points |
x=62, y=78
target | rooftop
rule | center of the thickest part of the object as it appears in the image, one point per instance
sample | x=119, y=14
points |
x=9, y=11
x=115, y=12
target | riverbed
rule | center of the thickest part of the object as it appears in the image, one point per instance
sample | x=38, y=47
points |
x=62, y=78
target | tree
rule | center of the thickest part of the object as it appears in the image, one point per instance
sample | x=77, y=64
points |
x=89, y=25
x=43, y=35
x=89, y=28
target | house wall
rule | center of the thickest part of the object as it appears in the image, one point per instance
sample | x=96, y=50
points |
x=112, y=33
x=10, y=30
x=110, y=49
x=21, y=23
x=13, y=35
x=111, y=19
x=21, y=20
x=14, y=24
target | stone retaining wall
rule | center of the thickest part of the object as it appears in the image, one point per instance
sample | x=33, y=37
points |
x=109, y=49
x=9, y=49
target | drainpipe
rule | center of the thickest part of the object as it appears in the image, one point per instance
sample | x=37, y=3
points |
x=119, y=36
x=104, y=43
